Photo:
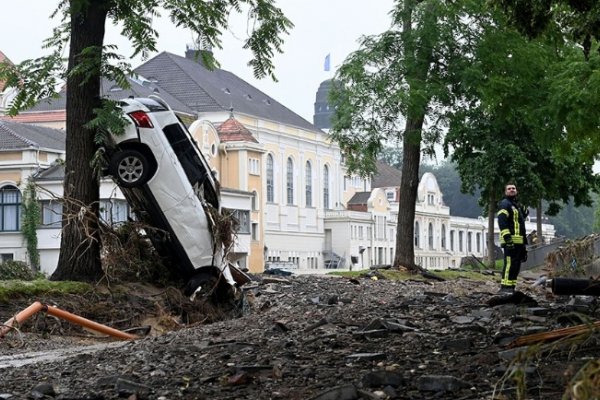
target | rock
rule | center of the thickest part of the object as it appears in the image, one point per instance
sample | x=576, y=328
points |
x=461, y=344
x=440, y=383
x=276, y=280
x=127, y=387
x=382, y=344
x=462, y=319
x=367, y=357
x=537, y=311
x=42, y=390
x=345, y=392
x=382, y=379
x=511, y=354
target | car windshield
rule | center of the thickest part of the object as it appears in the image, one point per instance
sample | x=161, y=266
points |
x=188, y=155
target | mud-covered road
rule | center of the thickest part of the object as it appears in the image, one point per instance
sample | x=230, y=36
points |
x=324, y=338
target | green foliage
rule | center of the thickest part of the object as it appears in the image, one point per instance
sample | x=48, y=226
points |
x=90, y=59
x=15, y=270
x=596, y=227
x=536, y=17
x=10, y=289
x=392, y=155
x=396, y=87
x=573, y=222
x=461, y=204
x=573, y=100
x=393, y=79
x=109, y=120
x=510, y=127
x=30, y=221
x=36, y=79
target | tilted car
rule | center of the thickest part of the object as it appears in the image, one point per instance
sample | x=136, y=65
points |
x=166, y=178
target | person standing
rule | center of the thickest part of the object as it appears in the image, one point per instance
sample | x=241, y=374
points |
x=511, y=221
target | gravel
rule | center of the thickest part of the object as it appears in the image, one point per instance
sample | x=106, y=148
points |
x=325, y=338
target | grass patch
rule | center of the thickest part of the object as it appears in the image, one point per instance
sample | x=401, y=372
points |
x=9, y=289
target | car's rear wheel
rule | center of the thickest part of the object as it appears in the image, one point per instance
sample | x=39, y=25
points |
x=131, y=168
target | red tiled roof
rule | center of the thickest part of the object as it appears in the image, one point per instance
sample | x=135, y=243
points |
x=37, y=117
x=233, y=131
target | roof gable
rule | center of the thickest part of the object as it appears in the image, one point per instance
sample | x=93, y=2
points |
x=110, y=89
x=233, y=131
x=217, y=90
x=15, y=136
x=386, y=176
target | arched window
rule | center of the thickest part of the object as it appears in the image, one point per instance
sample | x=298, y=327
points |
x=417, y=234
x=10, y=208
x=443, y=237
x=430, y=235
x=270, y=180
x=326, y=187
x=290, y=181
x=308, y=177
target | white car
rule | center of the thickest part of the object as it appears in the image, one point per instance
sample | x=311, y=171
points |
x=163, y=173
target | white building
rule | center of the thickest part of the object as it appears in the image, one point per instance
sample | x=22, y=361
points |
x=283, y=177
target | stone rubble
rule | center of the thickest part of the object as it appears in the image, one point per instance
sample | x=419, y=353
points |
x=331, y=338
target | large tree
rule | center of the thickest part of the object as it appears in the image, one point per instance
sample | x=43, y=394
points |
x=509, y=126
x=90, y=59
x=394, y=87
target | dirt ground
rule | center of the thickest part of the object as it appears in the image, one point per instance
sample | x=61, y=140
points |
x=306, y=337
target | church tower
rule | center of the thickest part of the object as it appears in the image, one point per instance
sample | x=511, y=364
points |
x=323, y=112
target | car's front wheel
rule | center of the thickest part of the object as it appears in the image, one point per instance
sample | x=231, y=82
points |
x=131, y=168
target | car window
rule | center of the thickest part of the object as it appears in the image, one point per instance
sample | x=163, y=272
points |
x=191, y=163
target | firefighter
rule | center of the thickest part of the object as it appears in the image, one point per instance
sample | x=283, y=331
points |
x=511, y=221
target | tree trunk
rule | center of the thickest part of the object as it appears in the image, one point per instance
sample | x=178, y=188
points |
x=79, y=257
x=538, y=215
x=491, y=246
x=409, y=183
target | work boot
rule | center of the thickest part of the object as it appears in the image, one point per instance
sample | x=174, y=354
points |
x=506, y=290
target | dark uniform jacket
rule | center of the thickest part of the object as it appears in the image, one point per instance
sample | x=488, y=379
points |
x=511, y=221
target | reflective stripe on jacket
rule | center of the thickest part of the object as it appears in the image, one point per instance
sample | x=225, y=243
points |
x=511, y=221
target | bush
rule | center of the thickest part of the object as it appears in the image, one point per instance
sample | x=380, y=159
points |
x=16, y=270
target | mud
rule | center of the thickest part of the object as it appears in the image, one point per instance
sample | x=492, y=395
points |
x=308, y=337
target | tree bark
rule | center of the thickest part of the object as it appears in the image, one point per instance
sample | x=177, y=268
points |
x=419, y=58
x=79, y=257
x=409, y=183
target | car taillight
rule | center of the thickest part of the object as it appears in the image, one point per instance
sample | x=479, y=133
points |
x=141, y=119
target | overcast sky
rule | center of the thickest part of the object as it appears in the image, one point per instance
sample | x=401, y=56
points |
x=321, y=27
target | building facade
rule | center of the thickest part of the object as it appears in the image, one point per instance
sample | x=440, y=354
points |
x=283, y=179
